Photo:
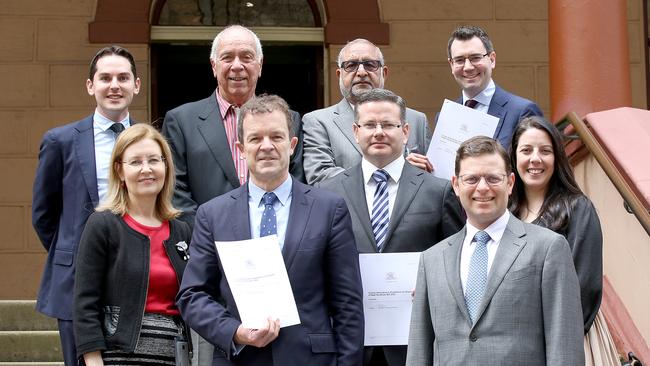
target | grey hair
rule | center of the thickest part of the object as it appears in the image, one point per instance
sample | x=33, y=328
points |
x=258, y=45
x=339, y=60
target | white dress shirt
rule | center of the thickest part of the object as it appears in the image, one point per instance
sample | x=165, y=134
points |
x=483, y=98
x=495, y=230
x=394, y=169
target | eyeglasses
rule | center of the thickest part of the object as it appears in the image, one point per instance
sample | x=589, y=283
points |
x=371, y=126
x=473, y=59
x=471, y=180
x=152, y=162
x=368, y=65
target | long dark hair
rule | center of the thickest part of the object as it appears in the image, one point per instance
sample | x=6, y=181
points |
x=562, y=192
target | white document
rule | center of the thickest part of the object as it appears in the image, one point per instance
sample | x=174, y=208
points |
x=456, y=123
x=258, y=280
x=388, y=281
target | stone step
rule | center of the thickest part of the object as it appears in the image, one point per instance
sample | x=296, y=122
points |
x=30, y=346
x=20, y=315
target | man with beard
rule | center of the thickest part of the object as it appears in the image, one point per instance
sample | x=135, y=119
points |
x=329, y=142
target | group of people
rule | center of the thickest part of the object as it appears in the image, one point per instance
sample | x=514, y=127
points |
x=511, y=264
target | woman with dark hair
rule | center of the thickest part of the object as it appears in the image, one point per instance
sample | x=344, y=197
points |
x=131, y=258
x=546, y=193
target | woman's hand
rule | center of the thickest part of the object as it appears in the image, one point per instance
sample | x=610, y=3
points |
x=93, y=358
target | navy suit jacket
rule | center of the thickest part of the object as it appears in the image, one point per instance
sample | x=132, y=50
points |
x=510, y=109
x=323, y=267
x=64, y=195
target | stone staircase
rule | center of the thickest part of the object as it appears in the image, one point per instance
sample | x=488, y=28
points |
x=27, y=338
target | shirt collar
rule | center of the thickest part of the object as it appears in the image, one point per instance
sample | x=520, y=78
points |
x=495, y=230
x=283, y=191
x=394, y=169
x=102, y=123
x=485, y=96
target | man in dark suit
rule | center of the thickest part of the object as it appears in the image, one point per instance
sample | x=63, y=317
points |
x=422, y=209
x=202, y=134
x=317, y=243
x=472, y=58
x=500, y=291
x=72, y=177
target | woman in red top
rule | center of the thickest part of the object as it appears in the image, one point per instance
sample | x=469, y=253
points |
x=131, y=258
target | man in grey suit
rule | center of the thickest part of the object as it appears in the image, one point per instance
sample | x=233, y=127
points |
x=330, y=145
x=501, y=291
x=422, y=209
x=472, y=58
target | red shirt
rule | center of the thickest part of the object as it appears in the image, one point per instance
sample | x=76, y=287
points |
x=163, y=285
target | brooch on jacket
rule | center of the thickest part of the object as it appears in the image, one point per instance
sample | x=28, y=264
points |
x=181, y=248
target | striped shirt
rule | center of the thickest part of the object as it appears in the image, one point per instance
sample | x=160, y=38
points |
x=229, y=114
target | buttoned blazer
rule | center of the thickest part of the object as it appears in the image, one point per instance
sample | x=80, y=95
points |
x=425, y=211
x=64, y=196
x=322, y=264
x=530, y=312
x=330, y=146
x=202, y=156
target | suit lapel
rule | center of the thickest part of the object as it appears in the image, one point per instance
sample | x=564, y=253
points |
x=84, y=145
x=301, y=204
x=452, y=270
x=497, y=108
x=214, y=135
x=509, y=248
x=410, y=183
x=238, y=213
x=354, y=189
x=343, y=117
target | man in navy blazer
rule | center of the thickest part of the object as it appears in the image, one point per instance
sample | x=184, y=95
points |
x=472, y=58
x=317, y=244
x=71, y=179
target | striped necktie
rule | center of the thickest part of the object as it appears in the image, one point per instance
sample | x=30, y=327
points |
x=379, y=218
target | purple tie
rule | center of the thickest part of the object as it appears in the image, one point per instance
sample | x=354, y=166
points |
x=471, y=103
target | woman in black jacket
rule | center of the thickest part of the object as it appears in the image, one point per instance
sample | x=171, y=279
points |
x=131, y=258
x=546, y=193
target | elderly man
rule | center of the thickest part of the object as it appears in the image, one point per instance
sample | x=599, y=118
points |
x=472, y=58
x=395, y=206
x=316, y=240
x=330, y=145
x=72, y=178
x=202, y=134
x=500, y=291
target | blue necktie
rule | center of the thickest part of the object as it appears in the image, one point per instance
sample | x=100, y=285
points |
x=477, y=276
x=379, y=218
x=268, y=225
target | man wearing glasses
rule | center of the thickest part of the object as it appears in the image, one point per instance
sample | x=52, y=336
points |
x=500, y=291
x=395, y=207
x=329, y=143
x=472, y=58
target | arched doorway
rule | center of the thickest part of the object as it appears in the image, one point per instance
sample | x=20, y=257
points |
x=292, y=40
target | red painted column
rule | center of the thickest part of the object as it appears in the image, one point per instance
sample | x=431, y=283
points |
x=589, y=58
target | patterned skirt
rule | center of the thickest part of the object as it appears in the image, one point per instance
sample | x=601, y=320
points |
x=155, y=345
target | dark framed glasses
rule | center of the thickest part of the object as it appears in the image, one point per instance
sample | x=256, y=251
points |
x=368, y=65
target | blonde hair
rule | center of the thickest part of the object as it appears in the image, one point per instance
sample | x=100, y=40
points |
x=117, y=197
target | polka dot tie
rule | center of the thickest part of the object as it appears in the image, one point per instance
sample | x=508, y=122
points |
x=268, y=226
x=477, y=276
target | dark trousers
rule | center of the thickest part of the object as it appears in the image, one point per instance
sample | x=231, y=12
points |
x=66, y=332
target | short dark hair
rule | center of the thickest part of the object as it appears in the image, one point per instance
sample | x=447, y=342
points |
x=481, y=145
x=381, y=95
x=467, y=32
x=111, y=50
x=562, y=191
x=265, y=103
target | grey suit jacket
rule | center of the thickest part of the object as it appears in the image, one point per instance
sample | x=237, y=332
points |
x=530, y=313
x=330, y=146
x=202, y=157
x=425, y=212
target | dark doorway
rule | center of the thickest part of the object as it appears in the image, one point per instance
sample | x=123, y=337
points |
x=182, y=73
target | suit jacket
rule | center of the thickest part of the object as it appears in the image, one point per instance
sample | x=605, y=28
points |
x=425, y=212
x=202, y=157
x=323, y=268
x=530, y=313
x=510, y=109
x=64, y=195
x=330, y=146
